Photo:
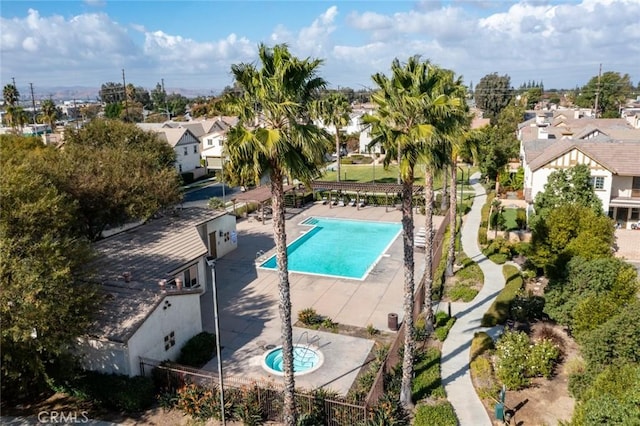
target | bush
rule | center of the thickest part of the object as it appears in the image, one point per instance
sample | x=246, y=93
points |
x=198, y=350
x=427, y=382
x=113, y=391
x=499, y=310
x=487, y=387
x=482, y=235
x=527, y=307
x=462, y=292
x=309, y=316
x=481, y=343
x=443, y=324
x=441, y=414
x=198, y=402
x=517, y=359
x=387, y=411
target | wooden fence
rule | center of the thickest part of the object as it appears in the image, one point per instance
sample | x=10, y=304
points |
x=393, y=356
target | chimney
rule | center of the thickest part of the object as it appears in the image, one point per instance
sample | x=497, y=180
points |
x=542, y=132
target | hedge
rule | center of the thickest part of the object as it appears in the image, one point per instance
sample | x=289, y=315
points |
x=441, y=414
x=498, y=312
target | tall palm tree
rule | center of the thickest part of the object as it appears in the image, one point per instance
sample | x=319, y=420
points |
x=442, y=110
x=11, y=97
x=399, y=125
x=49, y=113
x=285, y=143
x=334, y=110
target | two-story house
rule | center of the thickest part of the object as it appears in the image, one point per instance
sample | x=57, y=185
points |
x=156, y=287
x=610, y=147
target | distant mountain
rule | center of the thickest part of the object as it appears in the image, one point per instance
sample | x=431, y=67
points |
x=67, y=93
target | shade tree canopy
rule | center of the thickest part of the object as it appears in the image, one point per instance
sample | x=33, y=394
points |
x=612, y=90
x=492, y=94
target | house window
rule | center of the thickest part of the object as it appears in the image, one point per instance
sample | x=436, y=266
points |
x=635, y=214
x=195, y=149
x=220, y=143
x=209, y=142
x=180, y=167
x=597, y=182
x=191, y=276
x=169, y=341
x=185, y=150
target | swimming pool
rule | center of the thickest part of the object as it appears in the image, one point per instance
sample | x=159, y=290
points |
x=339, y=247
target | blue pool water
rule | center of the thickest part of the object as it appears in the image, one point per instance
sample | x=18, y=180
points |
x=304, y=359
x=338, y=247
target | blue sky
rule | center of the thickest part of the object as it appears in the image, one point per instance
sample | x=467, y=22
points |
x=193, y=44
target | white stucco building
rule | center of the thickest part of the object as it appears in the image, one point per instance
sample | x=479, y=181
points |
x=609, y=147
x=154, y=279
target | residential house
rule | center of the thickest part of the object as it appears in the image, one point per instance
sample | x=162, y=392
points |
x=157, y=288
x=213, y=141
x=183, y=141
x=610, y=147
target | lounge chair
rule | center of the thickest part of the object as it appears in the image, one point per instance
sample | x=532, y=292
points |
x=362, y=203
x=334, y=201
x=352, y=202
x=325, y=200
x=341, y=203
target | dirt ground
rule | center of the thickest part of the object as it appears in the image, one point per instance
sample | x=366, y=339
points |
x=545, y=402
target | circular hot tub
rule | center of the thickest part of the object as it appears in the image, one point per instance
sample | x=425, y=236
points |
x=306, y=359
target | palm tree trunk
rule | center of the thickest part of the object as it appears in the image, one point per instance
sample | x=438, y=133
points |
x=445, y=182
x=338, y=151
x=453, y=215
x=427, y=277
x=284, y=305
x=409, y=344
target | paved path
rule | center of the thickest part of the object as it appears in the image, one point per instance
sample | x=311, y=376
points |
x=456, y=377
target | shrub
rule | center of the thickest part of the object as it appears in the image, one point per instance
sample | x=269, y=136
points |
x=441, y=414
x=517, y=359
x=481, y=343
x=482, y=235
x=527, y=307
x=521, y=218
x=198, y=402
x=216, y=203
x=498, y=258
x=499, y=310
x=462, y=292
x=387, y=411
x=487, y=386
x=427, y=381
x=198, y=350
x=309, y=316
x=443, y=324
x=372, y=331
x=114, y=391
x=329, y=324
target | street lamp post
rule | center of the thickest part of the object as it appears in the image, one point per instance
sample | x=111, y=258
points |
x=211, y=261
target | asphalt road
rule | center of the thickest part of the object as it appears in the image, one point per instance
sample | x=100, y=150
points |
x=200, y=197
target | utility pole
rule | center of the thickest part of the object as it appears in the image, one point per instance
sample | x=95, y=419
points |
x=598, y=91
x=166, y=106
x=124, y=88
x=33, y=106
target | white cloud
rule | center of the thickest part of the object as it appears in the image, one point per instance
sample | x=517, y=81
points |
x=559, y=42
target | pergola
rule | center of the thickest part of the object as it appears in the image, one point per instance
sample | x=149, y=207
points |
x=259, y=195
x=358, y=187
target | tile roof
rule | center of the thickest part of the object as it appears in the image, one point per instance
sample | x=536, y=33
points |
x=149, y=253
x=621, y=157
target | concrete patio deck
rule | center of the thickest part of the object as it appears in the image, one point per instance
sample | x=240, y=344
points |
x=248, y=300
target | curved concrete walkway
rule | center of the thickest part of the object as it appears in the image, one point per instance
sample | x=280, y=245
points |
x=456, y=377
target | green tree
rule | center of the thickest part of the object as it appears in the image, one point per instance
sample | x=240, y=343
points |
x=567, y=231
x=49, y=113
x=11, y=97
x=117, y=173
x=612, y=398
x=111, y=93
x=286, y=145
x=567, y=186
x=334, y=110
x=177, y=104
x=45, y=302
x=590, y=291
x=493, y=93
x=612, y=90
x=418, y=110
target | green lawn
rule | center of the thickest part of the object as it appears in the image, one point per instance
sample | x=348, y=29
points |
x=509, y=216
x=370, y=173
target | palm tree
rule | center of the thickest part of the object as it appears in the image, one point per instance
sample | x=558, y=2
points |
x=334, y=110
x=49, y=113
x=11, y=97
x=284, y=144
x=443, y=110
x=399, y=125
